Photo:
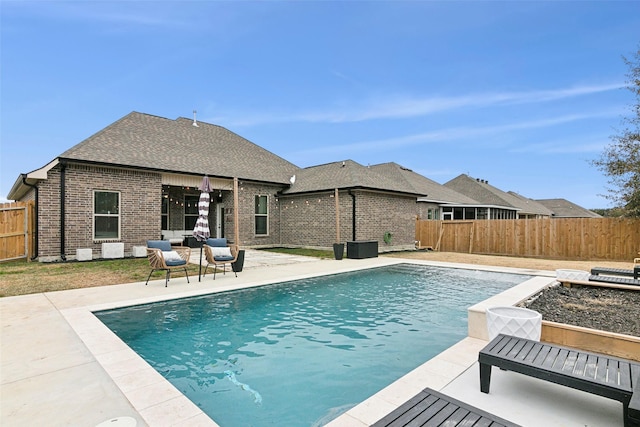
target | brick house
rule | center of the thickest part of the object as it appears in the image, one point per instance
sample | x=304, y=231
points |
x=138, y=178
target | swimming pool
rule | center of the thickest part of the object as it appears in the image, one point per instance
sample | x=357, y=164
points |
x=303, y=352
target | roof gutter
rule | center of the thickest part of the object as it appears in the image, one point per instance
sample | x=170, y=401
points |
x=35, y=188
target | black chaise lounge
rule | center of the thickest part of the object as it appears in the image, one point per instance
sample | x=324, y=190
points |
x=635, y=272
x=598, y=374
x=615, y=280
x=431, y=408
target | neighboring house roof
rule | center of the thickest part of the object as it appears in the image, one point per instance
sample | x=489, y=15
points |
x=531, y=205
x=479, y=190
x=563, y=208
x=482, y=191
x=151, y=142
x=429, y=190
x=346, y=175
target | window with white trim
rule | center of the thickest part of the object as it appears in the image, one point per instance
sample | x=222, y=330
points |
x=262, y=216
x=106, y=215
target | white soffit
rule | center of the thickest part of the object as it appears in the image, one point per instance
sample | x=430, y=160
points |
x=195, y=181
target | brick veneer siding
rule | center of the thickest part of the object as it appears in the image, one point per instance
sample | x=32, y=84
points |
x=310, y=220
x=246, y=215
x=378, y=213
x=140, y=196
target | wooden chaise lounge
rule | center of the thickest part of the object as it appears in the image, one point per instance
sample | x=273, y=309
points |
x=432, y=408
x=634, y=273
x=593, y=373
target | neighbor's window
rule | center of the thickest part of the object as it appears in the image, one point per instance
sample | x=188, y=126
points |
x=190, y=211
x=262, y=215
x=106, y=215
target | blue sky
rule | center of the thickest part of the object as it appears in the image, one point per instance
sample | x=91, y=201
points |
x=522, y=94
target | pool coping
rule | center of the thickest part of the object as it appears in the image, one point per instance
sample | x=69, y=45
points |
x=158, y=402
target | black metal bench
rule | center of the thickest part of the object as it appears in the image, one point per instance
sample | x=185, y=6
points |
x=432, y=408
x=591, y=372
x=635, y=273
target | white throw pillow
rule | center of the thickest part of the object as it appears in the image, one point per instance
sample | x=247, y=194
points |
x=224, y=251
x=171, y=256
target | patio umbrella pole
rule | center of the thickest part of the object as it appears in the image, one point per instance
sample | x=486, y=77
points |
x=201, y=229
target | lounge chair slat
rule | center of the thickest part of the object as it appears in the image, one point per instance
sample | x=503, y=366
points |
x=551, y=357
x=590, y=367
x=625, y=375
x=570, y=361
x=601, y=369
x=437, y=418
x=526, y=349
x=536, y=348
x=542, y=355
x=470, y=419
x=581, y=363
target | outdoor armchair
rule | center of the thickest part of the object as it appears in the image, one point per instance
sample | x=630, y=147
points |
x=163, y=256
x=219, y=253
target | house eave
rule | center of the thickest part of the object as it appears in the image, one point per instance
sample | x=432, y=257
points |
x=25, y=180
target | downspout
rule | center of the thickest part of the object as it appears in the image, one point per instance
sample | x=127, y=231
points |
x=63, y=170
x=353, y=215
x=35, y=189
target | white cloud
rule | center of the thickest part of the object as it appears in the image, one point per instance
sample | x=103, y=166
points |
x=400, y=107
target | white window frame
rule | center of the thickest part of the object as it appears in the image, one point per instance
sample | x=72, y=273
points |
x=265, y=215
x=107, y=215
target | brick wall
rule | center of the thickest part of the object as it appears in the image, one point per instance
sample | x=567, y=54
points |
x=246, y=215
x=303, y=220
x=140, y=196
x=377, y=214
x=310, y=220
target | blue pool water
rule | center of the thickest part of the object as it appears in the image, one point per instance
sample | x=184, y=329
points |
x=301, y=353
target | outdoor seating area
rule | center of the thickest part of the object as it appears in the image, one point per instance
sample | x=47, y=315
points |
x=164, y=256
x=598, y=374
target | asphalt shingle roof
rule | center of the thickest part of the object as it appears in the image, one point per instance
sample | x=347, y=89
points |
x=563, y=208
x=485, y=193
x=427, y=188
x=152, y=142
x=346, y=174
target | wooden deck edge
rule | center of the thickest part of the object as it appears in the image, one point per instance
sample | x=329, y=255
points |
x=617, y=345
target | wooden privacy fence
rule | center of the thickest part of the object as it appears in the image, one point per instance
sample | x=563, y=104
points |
x=554, y=238
x=16, y=230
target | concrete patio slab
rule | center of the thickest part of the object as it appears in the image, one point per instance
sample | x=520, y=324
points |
x=61, y=366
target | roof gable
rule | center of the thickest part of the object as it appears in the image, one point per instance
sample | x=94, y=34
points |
x=151, y=142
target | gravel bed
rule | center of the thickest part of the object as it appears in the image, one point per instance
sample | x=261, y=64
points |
x=605, y=309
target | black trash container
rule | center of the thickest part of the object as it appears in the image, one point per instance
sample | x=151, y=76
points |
x=338, y=250
x=237, y=266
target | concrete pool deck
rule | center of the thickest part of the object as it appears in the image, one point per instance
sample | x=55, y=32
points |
x=61, y=366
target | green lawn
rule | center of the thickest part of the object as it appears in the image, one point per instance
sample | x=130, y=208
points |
x=23, y=277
